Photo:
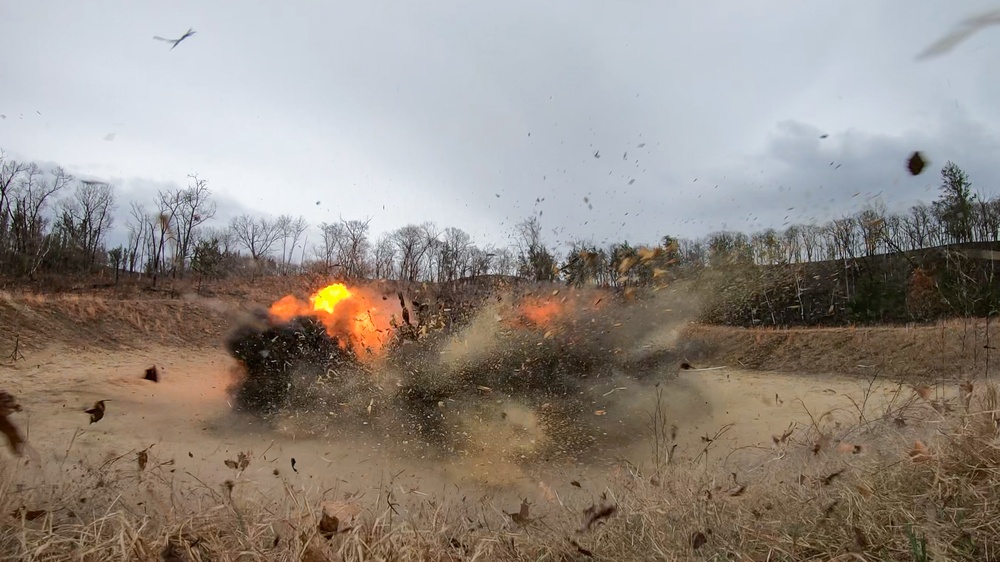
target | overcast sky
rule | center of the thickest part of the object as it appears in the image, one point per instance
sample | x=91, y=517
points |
x=468, y=113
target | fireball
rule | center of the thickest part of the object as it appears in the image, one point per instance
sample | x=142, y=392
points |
x=347, y=315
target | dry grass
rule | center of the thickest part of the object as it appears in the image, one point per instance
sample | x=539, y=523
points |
x=926, y=489
x=957, y=349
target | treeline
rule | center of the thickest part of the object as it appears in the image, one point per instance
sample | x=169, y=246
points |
x=872, y=266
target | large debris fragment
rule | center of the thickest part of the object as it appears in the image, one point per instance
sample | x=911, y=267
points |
x=277, y=357
x=9, y=405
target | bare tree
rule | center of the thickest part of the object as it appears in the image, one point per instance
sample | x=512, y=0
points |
x=293, y=234
x=90, y=210
x=28, y=221
x=328, y=250
x=138, y=237
x=192, y=207
x=353, y=248
x=10, y=176
x=411, y=245
x=454, y=254
x=258, y=235
x=384, y=256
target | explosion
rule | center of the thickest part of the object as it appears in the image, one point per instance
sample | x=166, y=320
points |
x=347, y=316
x=529, y=374
x=540, y=312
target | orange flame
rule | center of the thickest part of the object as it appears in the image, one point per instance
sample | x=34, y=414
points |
x=540, y=312
x=346, y=314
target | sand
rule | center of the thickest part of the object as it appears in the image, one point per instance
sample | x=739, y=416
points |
x=186, y=420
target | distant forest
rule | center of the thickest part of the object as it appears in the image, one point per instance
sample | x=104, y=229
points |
x=934, y=261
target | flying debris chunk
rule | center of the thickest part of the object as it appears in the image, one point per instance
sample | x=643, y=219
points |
x=961, y=32
x=109, y=137
x=916, y=163
x=9, y=405
x=152, y=374
x=97, y=412
x=597, y=154
x=176, y=42
x=823, y=136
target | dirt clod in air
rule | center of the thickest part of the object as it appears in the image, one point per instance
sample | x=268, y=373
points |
x=916, y=163
x=337, y=517
x=9, y=405
x=97, y=411
x=152, y=374
x=597, y=513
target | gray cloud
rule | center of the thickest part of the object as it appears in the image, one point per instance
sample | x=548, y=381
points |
x=428, y=111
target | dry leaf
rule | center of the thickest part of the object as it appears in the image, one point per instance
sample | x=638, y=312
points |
x=548, y=493
x=920, y=452
x=865, y=490
x=737, y=490
x=597, y=513
x=142, y=457
x=698, y=540
x=828, y=479
x=647, y=254
x=965, y=387
x=336, y=516
x=600, y=412
x=627, y=264
x=575, y=483
x=845, y=447
x=784, y=436
x=28, y=514
x=522, y=516
x=923, y=391
x=243, y=461
x=231, y=464
x=860, y=540
x=97, y=412
x=9, y=405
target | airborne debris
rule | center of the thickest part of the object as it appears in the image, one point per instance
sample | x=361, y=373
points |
x=965, y=29
x=96, y=412
x=28, y=514
x=336, y=516
x=828, y=479
x=597, y=513
x=9, y=405
x=142, y=457
x=241, y=463
x=522, y=516
x=698, y=540
x=916, y=163
x=152, y=374
x=176, y=42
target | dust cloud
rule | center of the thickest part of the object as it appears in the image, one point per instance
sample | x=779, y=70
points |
x=533, y=384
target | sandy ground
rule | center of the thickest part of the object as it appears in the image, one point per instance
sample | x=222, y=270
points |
x=186, y=419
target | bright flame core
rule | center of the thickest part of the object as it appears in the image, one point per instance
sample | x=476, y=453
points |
x=326, y=299
x=347, y=315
